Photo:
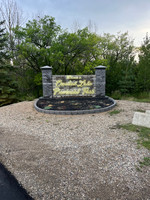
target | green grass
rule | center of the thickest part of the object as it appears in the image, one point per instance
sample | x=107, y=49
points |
x=144, y=140
x=140, y=97
x=26, y=98
x=139, y=110
x=143, y=133
x=145, y=162
x=114, y=112
x=142, y=100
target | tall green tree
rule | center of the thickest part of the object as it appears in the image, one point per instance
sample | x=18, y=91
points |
x=36, y=40
x=76, y=53
x=7, y=84
x=117, y=50
x=143, y=74
x=34, y=51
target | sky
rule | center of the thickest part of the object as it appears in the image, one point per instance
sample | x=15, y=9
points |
x=106, y=16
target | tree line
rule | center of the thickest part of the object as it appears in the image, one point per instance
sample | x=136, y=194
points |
x=42, y=42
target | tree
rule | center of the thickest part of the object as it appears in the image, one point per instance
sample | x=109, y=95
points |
x=36, y=40
x=44, y=43
x=13, y=16
x=143, y=74
x=34, y=51
x=127, y=80
x=76, y=53
x=117, y=50
x=7, y=85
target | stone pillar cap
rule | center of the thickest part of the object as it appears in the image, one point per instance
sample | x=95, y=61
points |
x=100, y=67
x=46, y=68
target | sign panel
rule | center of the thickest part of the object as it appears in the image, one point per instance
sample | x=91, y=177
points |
x=73, y=85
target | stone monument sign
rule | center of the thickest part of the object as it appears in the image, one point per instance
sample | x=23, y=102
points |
x=73, y=85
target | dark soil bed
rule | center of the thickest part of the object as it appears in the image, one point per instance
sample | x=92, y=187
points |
x=74, y=103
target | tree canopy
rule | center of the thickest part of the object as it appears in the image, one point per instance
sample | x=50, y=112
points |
x=42, y=42
x=7, y=83
x=143, y=73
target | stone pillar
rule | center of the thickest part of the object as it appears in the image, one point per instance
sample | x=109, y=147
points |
x=100, y=73
x=47, y=81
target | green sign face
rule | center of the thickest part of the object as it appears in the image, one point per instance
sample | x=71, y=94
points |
x=73, y=86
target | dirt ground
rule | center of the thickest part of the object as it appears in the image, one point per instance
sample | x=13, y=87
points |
x=74, y=157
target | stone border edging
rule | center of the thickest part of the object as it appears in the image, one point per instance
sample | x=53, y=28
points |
x=75, y=112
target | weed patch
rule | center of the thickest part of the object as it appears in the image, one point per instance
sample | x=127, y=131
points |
x=145, y=162
x=143, y=133
x=114, y=112
x=144, y=140
x=143, y=111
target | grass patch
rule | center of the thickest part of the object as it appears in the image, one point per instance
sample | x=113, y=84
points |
x=139, y=97
x=144, y=140
x=144, y=100
x=131, y=98
x=145, y=162
x=114, y=112
x=139, y=110
x=143, y=133
x=26, y=98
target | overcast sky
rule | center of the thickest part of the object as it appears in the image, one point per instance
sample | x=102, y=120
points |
x=109, y=16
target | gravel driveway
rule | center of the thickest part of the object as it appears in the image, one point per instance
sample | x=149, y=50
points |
x=78, y=157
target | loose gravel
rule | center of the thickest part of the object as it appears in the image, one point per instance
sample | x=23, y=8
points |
x=74, y=157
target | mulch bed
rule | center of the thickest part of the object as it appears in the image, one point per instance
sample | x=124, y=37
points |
x=74, y=103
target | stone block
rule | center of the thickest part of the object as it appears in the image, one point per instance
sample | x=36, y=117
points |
x=141, y=119
x=100, y=90
x=47, y=90
x=100, y=85
x=147, y=111
x=100, y=72
x=100, y=79
x=47, y=81
x=47, y=77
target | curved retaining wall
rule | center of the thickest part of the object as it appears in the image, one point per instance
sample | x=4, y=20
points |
x=74, y=112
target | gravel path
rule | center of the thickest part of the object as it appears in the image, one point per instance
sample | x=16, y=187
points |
x=74, y=157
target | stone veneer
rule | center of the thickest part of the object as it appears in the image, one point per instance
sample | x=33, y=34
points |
x=47, y=82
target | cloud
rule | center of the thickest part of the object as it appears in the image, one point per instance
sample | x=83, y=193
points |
x=109, y=15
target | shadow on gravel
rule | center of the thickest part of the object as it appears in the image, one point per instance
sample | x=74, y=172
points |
x=10, y=188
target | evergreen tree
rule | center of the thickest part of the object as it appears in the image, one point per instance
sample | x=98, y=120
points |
x=143, y=76
x=117, y=50
x=127, y=79
x=7, y=84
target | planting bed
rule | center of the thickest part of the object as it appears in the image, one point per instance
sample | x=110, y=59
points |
x=74, y=105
